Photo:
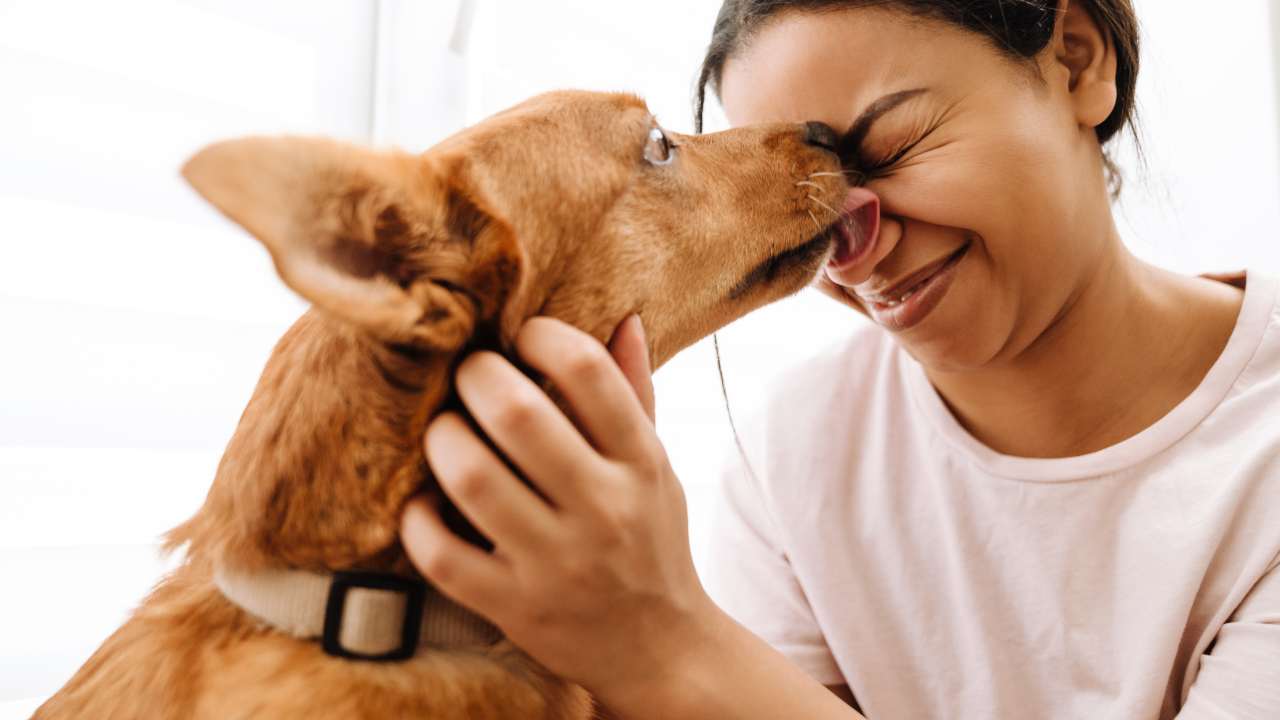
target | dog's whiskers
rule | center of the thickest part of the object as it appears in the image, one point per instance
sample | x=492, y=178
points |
x=828, y=207
x=807, y=183
x=855, y=176
x=815, y=219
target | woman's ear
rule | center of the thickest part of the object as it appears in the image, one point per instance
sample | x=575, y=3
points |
x=1089, y=56
x=383, y=240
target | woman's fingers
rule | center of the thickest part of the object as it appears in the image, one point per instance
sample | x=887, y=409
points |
x=602, y=396
x=526, y=426
x=497, y=502
x=606, y=564
x=465, y=573
x=631, y=353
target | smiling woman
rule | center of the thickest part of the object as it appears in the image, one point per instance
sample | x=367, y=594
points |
x=942, y=118
x=1017, y=448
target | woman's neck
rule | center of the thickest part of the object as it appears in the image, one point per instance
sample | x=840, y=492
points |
x=1133, y=342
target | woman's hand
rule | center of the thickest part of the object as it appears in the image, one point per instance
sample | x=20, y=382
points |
x=592, y=574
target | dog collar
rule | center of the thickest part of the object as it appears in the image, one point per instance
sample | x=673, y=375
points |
x=356, y=615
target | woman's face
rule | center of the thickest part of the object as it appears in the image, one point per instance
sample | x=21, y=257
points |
x=990, y=185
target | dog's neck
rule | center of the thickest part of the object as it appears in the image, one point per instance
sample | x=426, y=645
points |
x=325, y=456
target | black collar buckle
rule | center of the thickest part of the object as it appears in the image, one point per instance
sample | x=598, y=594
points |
x=415, y=592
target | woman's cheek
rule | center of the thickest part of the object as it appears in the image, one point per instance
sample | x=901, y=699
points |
x=945, y=187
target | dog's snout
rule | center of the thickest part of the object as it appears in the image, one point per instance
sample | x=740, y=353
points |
x=821, y=135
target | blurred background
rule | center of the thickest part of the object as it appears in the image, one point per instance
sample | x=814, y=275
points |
x=135, y=321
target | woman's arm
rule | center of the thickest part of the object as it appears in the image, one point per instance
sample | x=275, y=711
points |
x=591, y=573
x=731, y=674
x=840, y=691
x=1240, y=677
x=735, y=676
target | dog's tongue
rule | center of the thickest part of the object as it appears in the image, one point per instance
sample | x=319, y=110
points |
x=858, y=228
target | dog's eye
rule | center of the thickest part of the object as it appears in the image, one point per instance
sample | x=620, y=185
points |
x=659, y=150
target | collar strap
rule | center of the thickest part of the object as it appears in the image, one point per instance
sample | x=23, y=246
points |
x=356, y=615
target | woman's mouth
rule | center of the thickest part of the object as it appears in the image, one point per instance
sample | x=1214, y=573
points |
x=908, y=302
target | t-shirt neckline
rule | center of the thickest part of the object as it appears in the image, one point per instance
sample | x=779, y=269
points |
x=1246, y=336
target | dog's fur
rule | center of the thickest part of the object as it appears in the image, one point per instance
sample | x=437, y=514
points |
x=411, y=261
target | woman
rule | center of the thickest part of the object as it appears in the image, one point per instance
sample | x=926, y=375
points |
x=1045, y=484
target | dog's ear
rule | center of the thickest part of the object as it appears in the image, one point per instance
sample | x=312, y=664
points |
x=383, y=240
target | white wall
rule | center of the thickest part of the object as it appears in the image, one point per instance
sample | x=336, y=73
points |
x=1207, y=90
x=136, y=320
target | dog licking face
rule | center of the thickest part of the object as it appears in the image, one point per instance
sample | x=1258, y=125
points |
x=575, y=205
x=572, y=205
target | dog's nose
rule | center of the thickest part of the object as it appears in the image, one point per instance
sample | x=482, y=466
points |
x=821, y=135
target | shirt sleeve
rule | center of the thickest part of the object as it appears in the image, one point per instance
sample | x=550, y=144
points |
x=1239, y=677
x=749, y=575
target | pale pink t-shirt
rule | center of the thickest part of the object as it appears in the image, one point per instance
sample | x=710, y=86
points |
x=880, y=545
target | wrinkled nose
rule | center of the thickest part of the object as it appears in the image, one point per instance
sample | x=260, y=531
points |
x=821, y=135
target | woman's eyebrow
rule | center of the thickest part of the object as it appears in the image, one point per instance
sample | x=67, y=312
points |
x=853, y=137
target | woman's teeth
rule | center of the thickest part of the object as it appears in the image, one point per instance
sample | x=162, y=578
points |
x=895, y=302
x=887, y=302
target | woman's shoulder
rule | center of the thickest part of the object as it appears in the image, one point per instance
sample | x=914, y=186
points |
x=1260, y=321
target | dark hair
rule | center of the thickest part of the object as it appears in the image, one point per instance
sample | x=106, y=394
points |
x=1020, y=29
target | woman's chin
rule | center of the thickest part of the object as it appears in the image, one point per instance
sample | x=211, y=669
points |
x=955, y=337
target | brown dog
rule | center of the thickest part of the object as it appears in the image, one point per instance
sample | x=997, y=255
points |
x=572, y=205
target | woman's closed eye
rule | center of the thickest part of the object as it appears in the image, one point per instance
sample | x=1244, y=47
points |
x=876, y=159
x=878, y=164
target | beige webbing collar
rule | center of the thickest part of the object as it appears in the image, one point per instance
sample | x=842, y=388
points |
x=371, y=622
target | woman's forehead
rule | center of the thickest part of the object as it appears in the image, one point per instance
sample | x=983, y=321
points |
x=825, y=66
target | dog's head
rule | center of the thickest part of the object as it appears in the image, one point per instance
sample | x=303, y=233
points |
x=575, y=205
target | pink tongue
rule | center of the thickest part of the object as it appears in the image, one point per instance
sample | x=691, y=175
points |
x=847, y=234
x=854, y=231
